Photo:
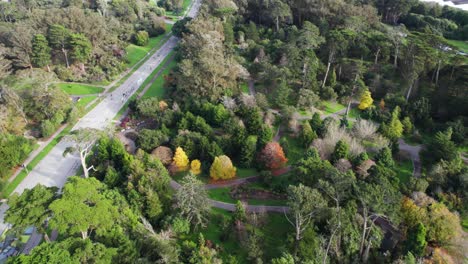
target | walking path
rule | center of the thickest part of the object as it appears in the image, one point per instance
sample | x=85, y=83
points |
x=32, y=155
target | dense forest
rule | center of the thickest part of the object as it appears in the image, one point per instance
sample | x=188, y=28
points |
x=315, y=131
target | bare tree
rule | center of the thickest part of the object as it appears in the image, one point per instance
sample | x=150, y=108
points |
x=83, y=141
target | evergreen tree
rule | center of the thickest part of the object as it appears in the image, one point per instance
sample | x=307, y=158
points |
x=341, y=151
x=80, y=47
x=40, y=51
x=307, y=135
x=384, y=158
x=416, y=241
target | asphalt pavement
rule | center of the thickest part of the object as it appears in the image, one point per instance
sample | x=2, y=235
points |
x=54, y=169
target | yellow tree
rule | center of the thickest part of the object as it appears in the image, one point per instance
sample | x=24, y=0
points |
x=195, y=167
x=222, y=168
x=366, y=100
x=181, y=160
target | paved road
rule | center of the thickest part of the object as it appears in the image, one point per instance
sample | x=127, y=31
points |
x=54, y=169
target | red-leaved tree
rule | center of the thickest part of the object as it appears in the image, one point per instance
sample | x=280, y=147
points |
x=272, y=156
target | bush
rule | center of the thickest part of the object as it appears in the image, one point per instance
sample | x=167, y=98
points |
x=47, y=128
x=141, y=38
x=150, y=139
x=13, y=150
x=64, y=73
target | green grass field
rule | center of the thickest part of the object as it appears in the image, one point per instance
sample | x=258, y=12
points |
x=462, y=45
x=79, y=89
x=222, y=194
x=174, y=16
x=156, y=88
x=404, y=170
x=332, y=107
x=295, y=150
x=136, y=53
x=84, y=101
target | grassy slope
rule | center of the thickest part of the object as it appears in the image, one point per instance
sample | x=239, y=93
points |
x=462, y=45
x=136, y=53
x=156, y=88
x=84, y=101
x=332, y=107
x=404, y=170
x=79, y=89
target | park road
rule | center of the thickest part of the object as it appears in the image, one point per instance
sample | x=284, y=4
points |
x=54, y=169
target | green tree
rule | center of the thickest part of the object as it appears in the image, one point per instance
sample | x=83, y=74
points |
x=307, y=135
x=51, y=253
x=282, y=94
x=82, y=208
x=141, y=38
x=416, y=241
x=239, y=213
x=304, y=203
x=341, y=151
x=31, y=208
x=265, y=136
x=58, y=37
x=366, y=100
x=40, y=51
x=394, y=129
x=407, y=126
x=248, y=151
x=80, y=47
x=441, y=147
x=385, y=159
x=192, y=200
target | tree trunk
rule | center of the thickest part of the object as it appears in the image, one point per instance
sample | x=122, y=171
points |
x=377, y=56
x=365, y=258
x=364, y=229
x=46, y=237
x=326, y=74
x=83, y=164
x=277, y=24
x=409, y=91
x=64, y=51
x=395, y=60
x=84, y=234
x=48, y=68
x=438, y=71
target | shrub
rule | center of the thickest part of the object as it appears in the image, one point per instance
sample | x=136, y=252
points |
x=222, y=168
x=141, y=38
x=272, y=156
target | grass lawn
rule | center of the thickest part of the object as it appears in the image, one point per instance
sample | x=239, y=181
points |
x=354, y=113
x=243, y=172
x=404, y=170
x=24, y=238
x=156, y=88
x=222, y=195
x=174, y=16
x=295, y=150
x=124, y=107
x=462, y=45
x=79, y=89
x=136, y=53
x=84, y=101
x=332, y=107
